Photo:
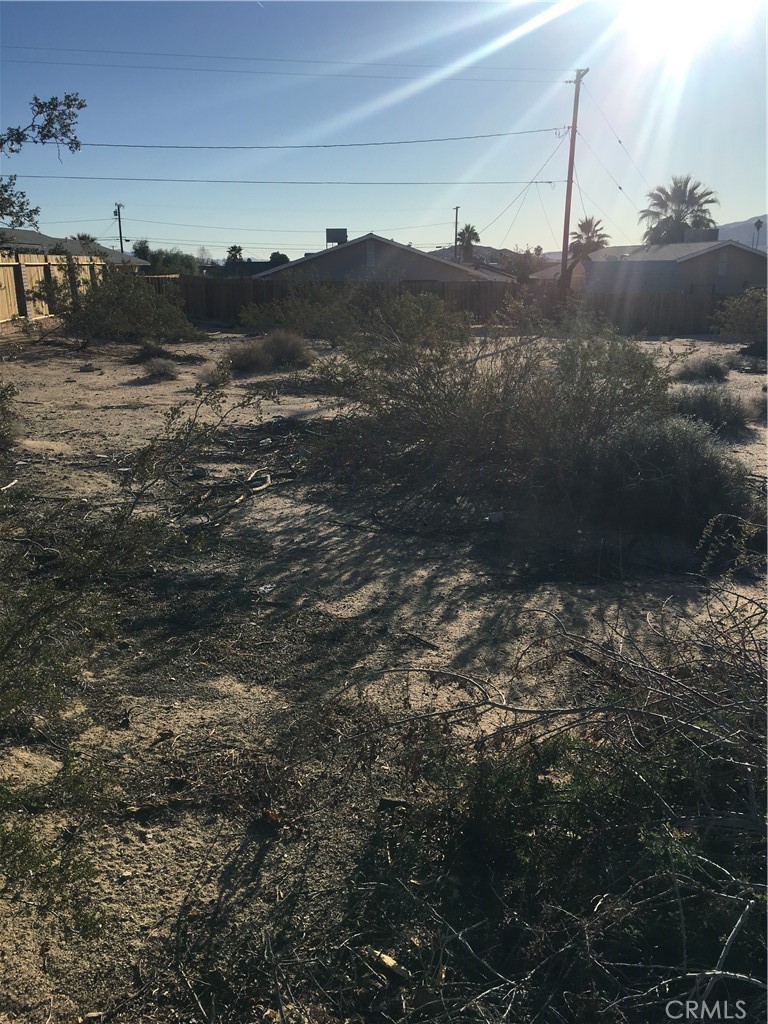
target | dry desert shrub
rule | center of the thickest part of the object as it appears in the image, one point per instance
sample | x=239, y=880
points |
x=157, y=369
x=715, y=405
x=703, y=369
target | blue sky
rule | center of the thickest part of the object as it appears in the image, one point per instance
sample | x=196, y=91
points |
x=673, y=88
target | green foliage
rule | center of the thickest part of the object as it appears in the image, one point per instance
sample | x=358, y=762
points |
x=743, y=318
x=589, y=237
x=525, y=262
x=703, y=368
x=466, y=239
x=53, y=120
x=671, y=210
x=165, y=261
x=123, y=307
x=725, y=412
x=580, y=427
x=391, y=325
x=666, y=475
x=312, y=310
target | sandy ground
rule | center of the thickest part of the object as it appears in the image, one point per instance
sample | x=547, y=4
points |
x=318, y=596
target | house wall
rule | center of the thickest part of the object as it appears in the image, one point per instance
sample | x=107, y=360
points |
x=626, y=277
x=371, y=260
x=726, y=271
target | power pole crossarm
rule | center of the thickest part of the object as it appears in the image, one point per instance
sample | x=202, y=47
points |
x=580, y=73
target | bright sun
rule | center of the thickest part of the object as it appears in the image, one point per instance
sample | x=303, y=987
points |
x=673, y=32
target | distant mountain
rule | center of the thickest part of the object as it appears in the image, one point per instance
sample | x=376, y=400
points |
x=744, y=231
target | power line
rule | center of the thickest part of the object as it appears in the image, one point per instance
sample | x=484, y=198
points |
x=618, y=186
x=272, y=60
x=291, y=74
x=528, y=184
x=221, y=227
x=626, y=151
x=315, y=145
x=600, y=210
x=246, y=181
x=546, y=216
x=519, y=211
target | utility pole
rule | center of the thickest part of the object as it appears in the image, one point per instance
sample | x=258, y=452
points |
x=456, y=233
x=580, y=73
x=118, y=208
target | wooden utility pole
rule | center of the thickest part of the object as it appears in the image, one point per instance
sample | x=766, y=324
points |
x=118, y=208
x=456, y=233
x=580, y=73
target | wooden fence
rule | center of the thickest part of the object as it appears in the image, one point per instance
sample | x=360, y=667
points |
x=222, y=299
x=666, y=313
x=24, y=276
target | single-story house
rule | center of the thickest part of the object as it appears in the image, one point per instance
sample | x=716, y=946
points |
x=25, y=241
x=710, y=269
x=372, y=258
x=704, y=269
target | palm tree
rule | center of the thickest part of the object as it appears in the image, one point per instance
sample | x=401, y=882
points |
x=589, y=238
x=87, y=241
x=758, y=227
x=672, y=210
x=466, y=239
x=235, y=254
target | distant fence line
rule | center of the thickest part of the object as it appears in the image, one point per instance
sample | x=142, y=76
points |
x=23, y=275
x=222, y=299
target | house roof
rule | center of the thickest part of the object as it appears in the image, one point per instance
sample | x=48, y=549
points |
x=25, y=240
x=476, y=275
x=550, y=273
x=675, y=252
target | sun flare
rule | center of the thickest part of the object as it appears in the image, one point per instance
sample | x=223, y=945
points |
x=672, y=32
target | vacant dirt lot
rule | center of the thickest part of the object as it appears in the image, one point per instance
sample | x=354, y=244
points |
x=311, y=590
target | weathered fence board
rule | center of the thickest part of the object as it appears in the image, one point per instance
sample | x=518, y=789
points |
x=24, y=276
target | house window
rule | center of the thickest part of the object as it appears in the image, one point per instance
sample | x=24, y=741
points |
x=370, y=254
x=722, y=264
